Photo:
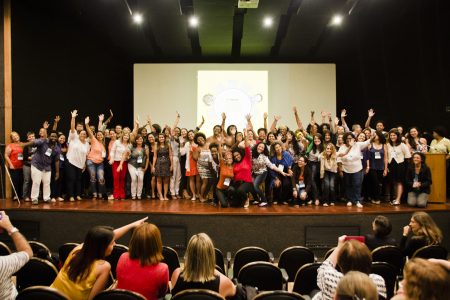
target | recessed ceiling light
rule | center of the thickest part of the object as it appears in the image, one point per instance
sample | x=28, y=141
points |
x=137, y=18
x=336, y=20
x=267, y=22
x=193, y=21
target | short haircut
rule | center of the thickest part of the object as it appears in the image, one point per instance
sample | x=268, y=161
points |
x=262, y=129
x=440, y=130
x=354, y=256
x=383, y=226
x=213, y=145
x=146, y=245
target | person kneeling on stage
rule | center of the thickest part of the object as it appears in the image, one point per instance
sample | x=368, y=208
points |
x=418, y=181
x=301, y=182
x=225, y=176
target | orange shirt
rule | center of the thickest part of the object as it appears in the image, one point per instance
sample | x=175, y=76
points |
x=225, y=172
x=97, y=152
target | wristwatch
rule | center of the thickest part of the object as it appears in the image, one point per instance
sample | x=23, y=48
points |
x=13, y=230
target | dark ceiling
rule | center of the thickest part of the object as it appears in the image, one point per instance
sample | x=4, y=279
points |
x=300, y=31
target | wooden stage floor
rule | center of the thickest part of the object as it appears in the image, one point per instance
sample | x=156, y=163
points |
x=187, y=207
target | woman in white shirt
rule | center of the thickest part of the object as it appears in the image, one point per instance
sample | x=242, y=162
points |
x=350, y=167
x=397, y=153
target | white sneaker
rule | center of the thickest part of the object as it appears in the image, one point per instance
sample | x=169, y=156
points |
x=359, y=205
x=309, y=202
x=111, y=197
x=60, y=199
x=53, y=200
x=349, y=204
x=325, y=204
x=34, y=201
x=72, y=199
x=263, y=204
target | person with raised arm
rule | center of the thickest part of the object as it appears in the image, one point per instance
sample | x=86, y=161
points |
x=55, y=123
x=10, y=264
x=76, y=159
x=94, y=161
x=175, y=143
x=379, y=126
x=162, y=166
x=86, y=272
x=343, y=122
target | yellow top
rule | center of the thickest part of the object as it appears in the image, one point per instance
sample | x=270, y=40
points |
x=75, y=290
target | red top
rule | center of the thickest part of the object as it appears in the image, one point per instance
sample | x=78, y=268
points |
x=243, y=169
x=16, y=155
x=150, y=281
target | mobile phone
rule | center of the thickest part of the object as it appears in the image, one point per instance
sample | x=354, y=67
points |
x=359, y=238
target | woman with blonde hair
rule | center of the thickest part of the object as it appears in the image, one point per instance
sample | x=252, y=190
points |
x=424, y=232
x=199, y=269
x=328, y=171
x=356, y=285
x=140, y=269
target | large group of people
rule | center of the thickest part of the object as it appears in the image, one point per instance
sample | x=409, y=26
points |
x=345, y=274
x=317, y=164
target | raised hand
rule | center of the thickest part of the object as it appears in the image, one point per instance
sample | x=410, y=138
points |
x=294, y=109
x=343, y=113
x=74, y=113
x=371, y=112
x=57, y=119
x=323, y=114
x=111, y=113
x=101, y=117
x=312, y=113
x=86, y=120
x=45, y=125
x=277, y=118
x=336, y=121
x=224, y=116
x=265, y=115
x=178, y=114
x=248, y=117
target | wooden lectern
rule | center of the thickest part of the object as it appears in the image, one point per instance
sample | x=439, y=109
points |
x=437, y=164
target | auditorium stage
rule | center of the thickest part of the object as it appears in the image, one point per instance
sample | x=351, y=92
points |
x=274, y=228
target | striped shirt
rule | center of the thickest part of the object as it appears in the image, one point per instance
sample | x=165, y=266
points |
x=9, y=265
x=328, y=278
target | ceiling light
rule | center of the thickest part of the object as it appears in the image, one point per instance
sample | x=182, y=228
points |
x=193, y=21
x=336, y=20
x=267, y=22
x=137, y=18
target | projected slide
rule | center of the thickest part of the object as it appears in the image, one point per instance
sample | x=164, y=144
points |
x=237, y=93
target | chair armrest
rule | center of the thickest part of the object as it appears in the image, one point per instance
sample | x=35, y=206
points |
x=272, y=259
x=230, y=273
x=285, y=275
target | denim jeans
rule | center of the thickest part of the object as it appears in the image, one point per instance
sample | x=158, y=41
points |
x=96, y=173
x=328, y=187
x=353, y=185
x=257, y=180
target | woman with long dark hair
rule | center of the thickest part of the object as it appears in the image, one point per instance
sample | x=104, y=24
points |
x=378, y=166
x=418, y=181
x=85, y=272
x=280, y=184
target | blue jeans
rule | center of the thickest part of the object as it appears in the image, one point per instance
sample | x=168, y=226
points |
x=96, y=172
x=328, y=187
x=353, y=185
x=257, y=180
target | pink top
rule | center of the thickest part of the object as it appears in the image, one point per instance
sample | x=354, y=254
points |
x=97, y=153
x=243, y=169
x=150, y=281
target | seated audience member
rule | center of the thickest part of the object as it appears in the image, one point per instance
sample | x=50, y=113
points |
x=85, y=272
x=12, y=263
x=381, y=227
x=418, y=181
x=199, y=269
x=424, y=280
x=349, y=255
x=140, y=270
x=356, y=285
x=424, y=232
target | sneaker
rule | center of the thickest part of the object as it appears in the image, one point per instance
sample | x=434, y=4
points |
x=72, y=199
x=349, y=204
x=53, y=200
x=46, y=200
x=325, y=204
x=263, y=204
x=395, y=202
x=34, y=202
x=27, y=199
x=133, y=198
x=275, y=202
x=296, y=206
x=359, y=205
x=332, y=203
x=139, y=197
x=111, y=197
x=60, y=199
x=375, y=201
x=79, y=198
x=309, y=202
x=285, y=203
x=94, y=196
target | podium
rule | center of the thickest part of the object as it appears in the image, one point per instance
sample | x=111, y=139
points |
x=437, y=164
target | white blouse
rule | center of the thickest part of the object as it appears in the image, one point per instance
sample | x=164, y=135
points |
x=351, y=163
x=398, y=153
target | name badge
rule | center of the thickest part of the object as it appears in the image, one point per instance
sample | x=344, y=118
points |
x=61, y=157
x=20, y=156
x=48, y=152
x=227, y=182
x=377, y=155
x=139, y=160
x=280, y=167
x=103, y=154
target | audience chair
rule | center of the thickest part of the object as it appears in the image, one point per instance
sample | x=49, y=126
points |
x=389, y=274
x=278, y=295
x=328, y=253
x=118, y=295
x=36, y=271
x=306, y=279
x=113, y=258
x=171, y=259
x=64, y=251
x=247, y=255
x=220, y=261
x=431, y=251
x=198, y=295
x=40, y=293
x=263, y=275
x=40, y=250
x=392, y=255
x=4, y=249
x=293, y=258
